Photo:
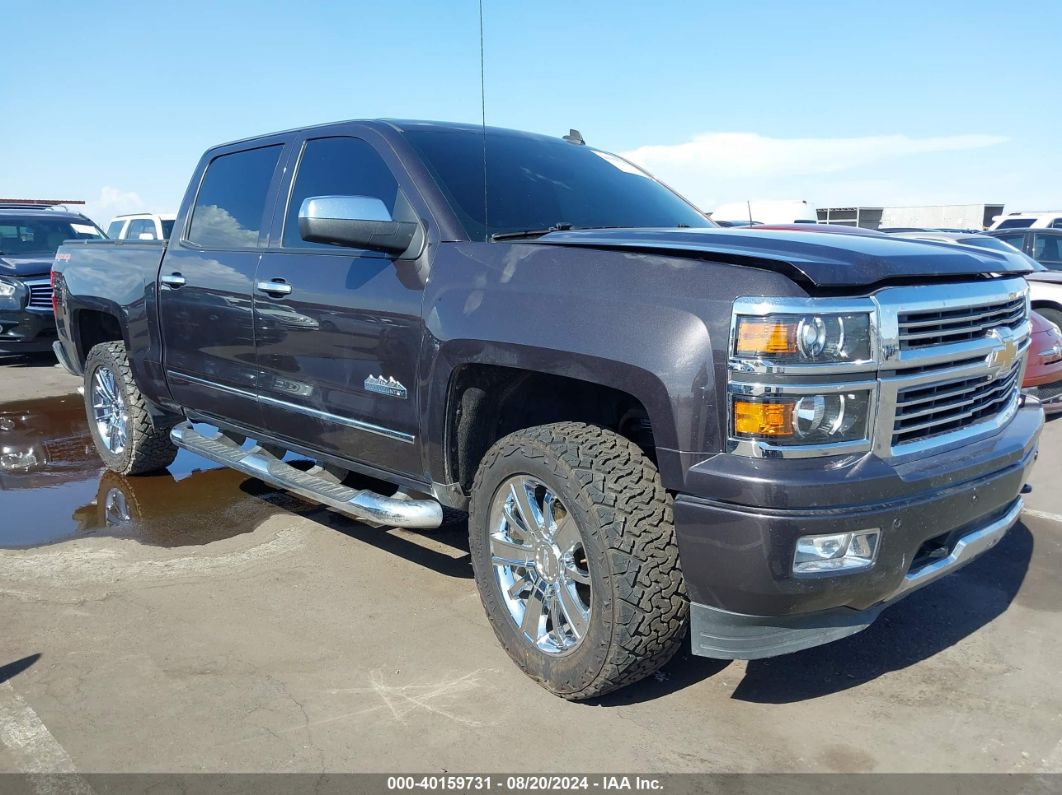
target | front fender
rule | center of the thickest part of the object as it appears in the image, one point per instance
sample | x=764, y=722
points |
x=653, y=327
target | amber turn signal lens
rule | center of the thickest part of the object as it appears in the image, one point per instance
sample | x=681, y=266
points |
x=754, y=418
x=759, y=336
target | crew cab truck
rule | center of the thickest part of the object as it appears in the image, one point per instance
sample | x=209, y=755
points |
x=653, y=424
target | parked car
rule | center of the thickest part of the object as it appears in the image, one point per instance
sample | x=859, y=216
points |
x=978, y=239
x=1045, y=219
x=895, y=229
x=1043, y=245
x=830, y=229
x=654, y=424
x=141, y=226
x=1043, y=373
x=29, y=237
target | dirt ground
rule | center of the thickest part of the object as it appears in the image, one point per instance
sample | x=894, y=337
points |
x=226, y=627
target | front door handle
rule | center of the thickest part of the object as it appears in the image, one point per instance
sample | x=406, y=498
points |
x=275, y=287
x=174, y=280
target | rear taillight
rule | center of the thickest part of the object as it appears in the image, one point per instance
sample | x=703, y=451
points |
x=55, y=294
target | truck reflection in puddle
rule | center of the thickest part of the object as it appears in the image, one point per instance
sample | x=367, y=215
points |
x=53, y=487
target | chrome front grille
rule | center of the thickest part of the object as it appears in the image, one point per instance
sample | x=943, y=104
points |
x=922, y=329
x=40, y=294
x=952, y=364
x=923, y=412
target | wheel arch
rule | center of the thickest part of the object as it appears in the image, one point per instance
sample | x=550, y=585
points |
x=511, y=387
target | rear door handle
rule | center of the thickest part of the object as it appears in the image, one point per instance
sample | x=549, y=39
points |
x=275, y=287
x=174, y=280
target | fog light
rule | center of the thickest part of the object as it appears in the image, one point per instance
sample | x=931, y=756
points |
x=835, y=553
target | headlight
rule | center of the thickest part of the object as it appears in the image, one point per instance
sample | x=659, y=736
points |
x=11, y=294
x=803, y=339
x=802, y=419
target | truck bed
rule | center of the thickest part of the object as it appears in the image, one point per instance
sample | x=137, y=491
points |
x=113, y=277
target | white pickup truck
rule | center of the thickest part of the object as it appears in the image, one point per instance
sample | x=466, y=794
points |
x=141, y=226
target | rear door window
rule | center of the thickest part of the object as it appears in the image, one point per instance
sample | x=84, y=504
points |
x=230, y=206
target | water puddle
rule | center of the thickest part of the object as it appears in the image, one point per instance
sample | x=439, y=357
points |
x=53, y=487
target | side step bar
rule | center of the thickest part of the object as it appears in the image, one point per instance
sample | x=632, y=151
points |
x=366, y=506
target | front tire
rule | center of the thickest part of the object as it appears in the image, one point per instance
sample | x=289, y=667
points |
x=121, y=426
x=573, y=548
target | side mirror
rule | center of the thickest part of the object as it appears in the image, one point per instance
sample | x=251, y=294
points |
x=355, y=222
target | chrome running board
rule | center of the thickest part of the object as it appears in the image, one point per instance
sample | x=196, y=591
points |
x=257, y=462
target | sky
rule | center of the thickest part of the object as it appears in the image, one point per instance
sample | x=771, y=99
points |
x=836, y=103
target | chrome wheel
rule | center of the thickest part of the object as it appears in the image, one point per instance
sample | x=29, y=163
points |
x=540, y=564
x=109, y=411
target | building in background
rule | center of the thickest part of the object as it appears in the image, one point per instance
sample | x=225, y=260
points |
x=937, y=216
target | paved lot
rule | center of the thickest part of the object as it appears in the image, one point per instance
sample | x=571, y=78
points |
x=252, y=632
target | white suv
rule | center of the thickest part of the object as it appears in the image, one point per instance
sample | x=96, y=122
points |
x=141, y=226
x=1037, y=220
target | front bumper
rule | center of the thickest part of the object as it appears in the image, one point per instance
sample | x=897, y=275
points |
x=735, y=636
x=935, y=515
x=26, y=331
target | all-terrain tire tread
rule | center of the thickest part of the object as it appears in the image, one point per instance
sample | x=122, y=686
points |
x=651, y=611
x=150, y=448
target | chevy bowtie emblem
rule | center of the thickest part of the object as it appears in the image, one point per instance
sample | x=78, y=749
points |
x=385, y=386
x=1002, y=359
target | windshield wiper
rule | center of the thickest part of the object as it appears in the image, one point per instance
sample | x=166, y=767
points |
x=558, y=227
x=524, y=234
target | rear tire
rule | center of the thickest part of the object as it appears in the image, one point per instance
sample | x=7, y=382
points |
x=119, y=420
x=601, y=571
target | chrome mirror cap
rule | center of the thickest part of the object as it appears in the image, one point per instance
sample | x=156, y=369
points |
x=344, y=208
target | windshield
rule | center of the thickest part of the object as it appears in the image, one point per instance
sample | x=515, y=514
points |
x=42, y=235
x=1016, y=223
x=535, y=183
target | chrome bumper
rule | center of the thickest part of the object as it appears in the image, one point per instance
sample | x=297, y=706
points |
x=966, y=549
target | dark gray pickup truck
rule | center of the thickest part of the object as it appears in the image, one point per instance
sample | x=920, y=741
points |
x=654, y=424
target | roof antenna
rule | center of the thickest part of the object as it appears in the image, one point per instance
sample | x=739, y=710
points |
x=575, y=137
x=483, y=118
x=749, y=205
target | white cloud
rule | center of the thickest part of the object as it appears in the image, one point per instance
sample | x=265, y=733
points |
x=719, y=166
x=111, y=202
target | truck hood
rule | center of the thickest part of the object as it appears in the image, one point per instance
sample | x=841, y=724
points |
x=821, y=259
x=1048, y=277
x=32, y=264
